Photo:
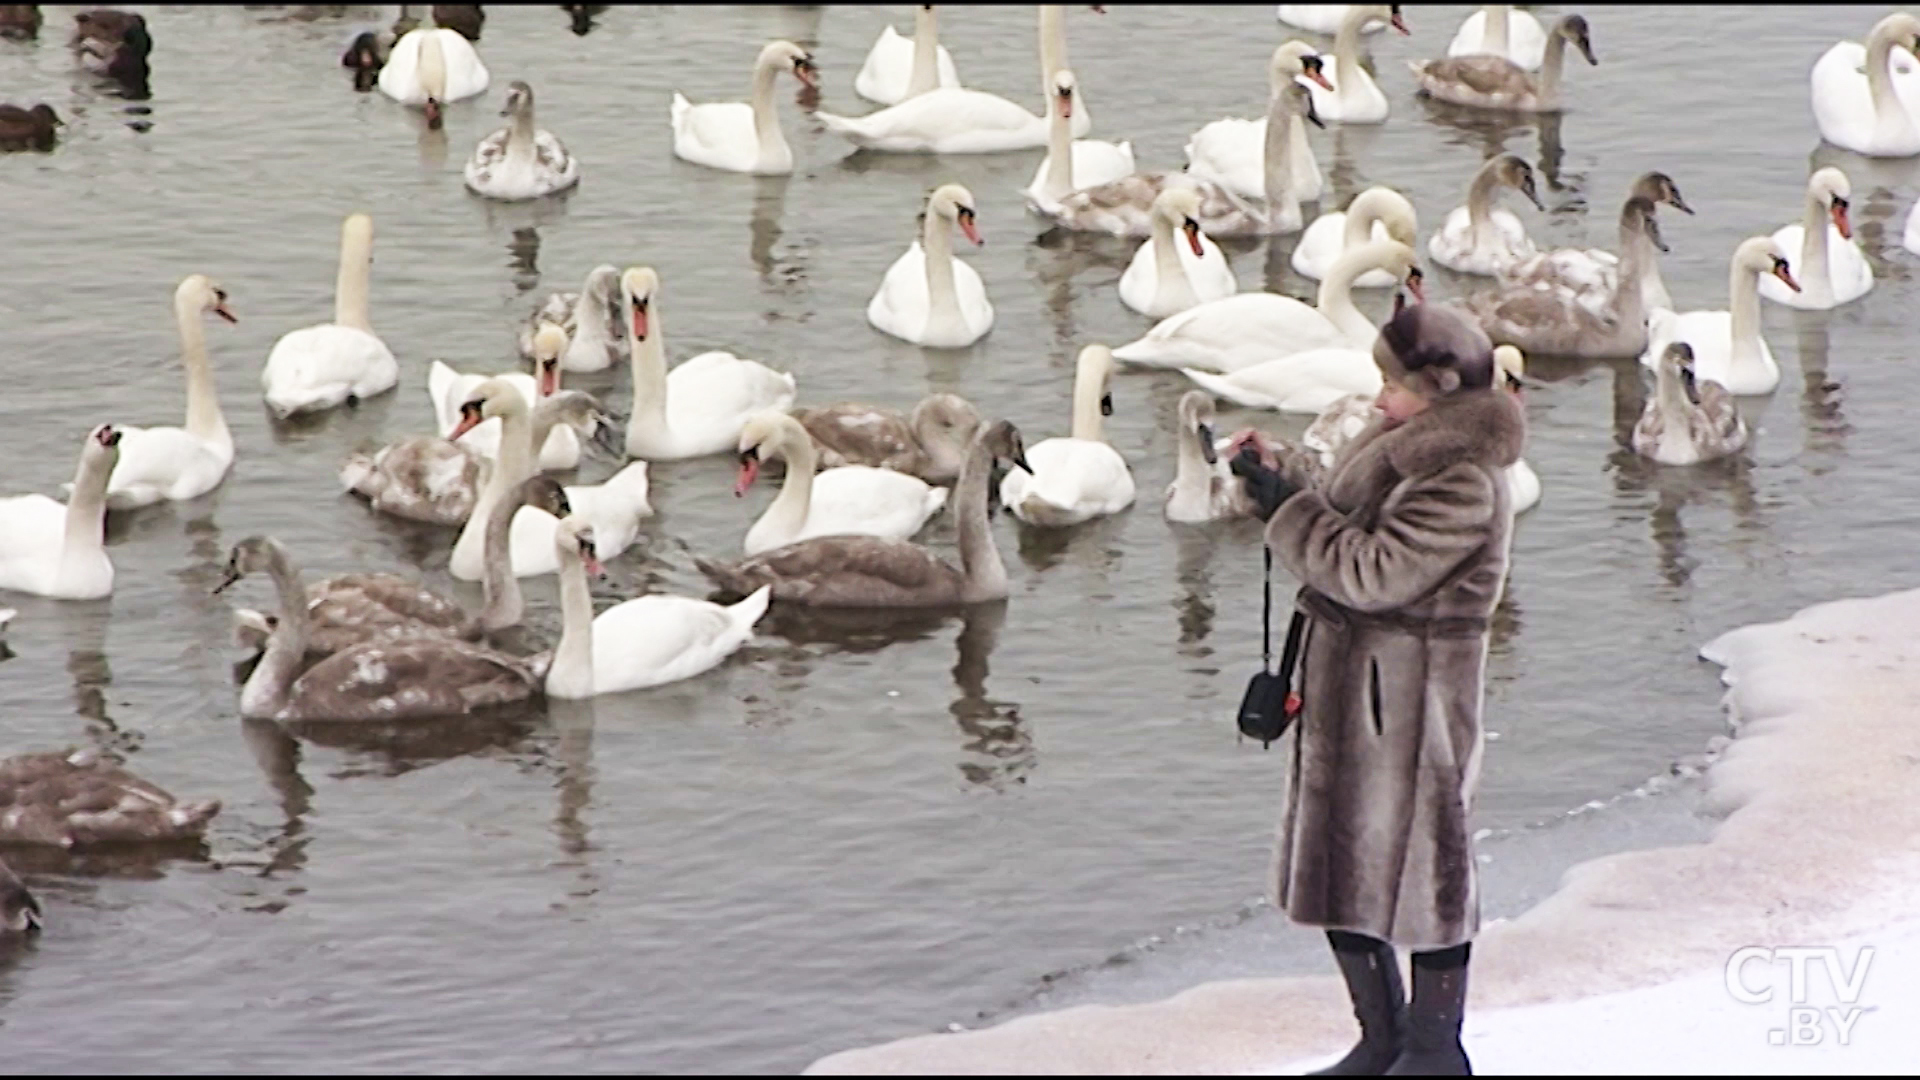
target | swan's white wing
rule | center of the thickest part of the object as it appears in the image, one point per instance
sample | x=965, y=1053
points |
x=163, y=463
x=466, y=75
x=554, y=160
x=901, y=304
x=321, y=366
x=1303, y=382
x=719, y=385
x=33, y=529
x=1073, y=480
x=869, y=501
x=1233, y=152
x=715, y=128
x=944, y=118
x=1239, y=330
x=653, y=640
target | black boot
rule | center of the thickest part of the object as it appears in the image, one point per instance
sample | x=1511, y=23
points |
x=1433, y=1024
x=1379, y=1003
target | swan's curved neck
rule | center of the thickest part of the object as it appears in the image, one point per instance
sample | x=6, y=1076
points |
x=1493, y=33
x=1480, y=203
x=590, y=317
x=512, y=467
x=943, y=299
x=1170, y=274
x=504, y=602
x=520, y=129
x=1639, y=261
x=87, y=507
x=1346, y=52
x=1335, y=298
x=1278, y=151
x=985, y=576
x=1670, y=397
x=1743, y=304
x=1059, y=151
x=350, y=285
x=1361, y=214
x=1548, y=92
x=1089, y=388
x=926, y=52
x=1192, y=477
x=1887, y=109
x=648, y=364
x=1815, y=276
x=788, y=512
x=766, y=117
x=271, y=683
x=571, y=673
x=204, y=420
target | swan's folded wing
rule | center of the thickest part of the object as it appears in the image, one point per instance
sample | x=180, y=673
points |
x=848, y=571
x=859, y=434
x=156, y=457
x=720, y=384
x=490, y=152
x=553, y=156
x=388, y=598
x=1716, y=424
x=410, y=678
x=718, y=125
x=1482, y=74
x=654, y=639
x=31, y=527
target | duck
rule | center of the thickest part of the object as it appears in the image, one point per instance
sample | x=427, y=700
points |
x=1565, y=322
x=346, y=609
x=338, y=363
x=615, y=506
x=1073, y=163
x=432, y=479
x=1496, y=82
x=55, y=550
x=639, y=643
x=872, y=572
x=1727, y=345
x=957, y=120
x=1592, y=274
x=520, y=161
x=366, y=54
x=1203, y=488
x=432, y=68
x=377, y=680
x=930, y=442
x=1163, y=279
x=20, y=21
x=462, y=19
x=846, y=500
x=1687, y=420
x=1832, y=269
x=1378, y=213
x=743, y=137
x=78, y=799
x=1480, y=238
x=1124, y=207
x=1324, y=18
x=1252, y=327
x=448, y=388
x=1355, y=97
x=595, y=340
x=897, y=68
x=1860, y=101
x=29, y=128
x=1080, y=477
x=180, y=463
x=1302, y=382
x=19, y=911
x=928, y=296
x=113, y=43
x=1502, y=30
x=699, y=407
x=1233, y=151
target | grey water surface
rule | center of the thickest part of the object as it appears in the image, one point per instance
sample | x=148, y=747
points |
x=847, y=833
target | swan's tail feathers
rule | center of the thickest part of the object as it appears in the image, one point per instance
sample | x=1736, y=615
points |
x=1223, y=388
x=190, y=819
x=1418, y=67
x=749, y=611
x=733, y=579
x=1144, y=351
x=840, y=125
x=357, y=473
x=251, y=628
x=631, y=484
x=6, y=616
x=678, y=110
x=937, y=500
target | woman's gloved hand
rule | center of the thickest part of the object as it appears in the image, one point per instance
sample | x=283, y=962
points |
x=1266, y=486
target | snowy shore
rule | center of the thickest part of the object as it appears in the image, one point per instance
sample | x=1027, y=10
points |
x=1625, y=968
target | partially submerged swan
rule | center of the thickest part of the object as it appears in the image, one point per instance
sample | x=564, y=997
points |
x=930, y=443
x=78, y=799
x=179, y=463
x=520, y=161
x=743, y=137
x=1832, y=268
x=56, y=550
x=432, y=68
x=380, y=680
x=929, y=297
x=1496, y=82
x=1080, y=477
x=1687, y=420
x=341, y=362
x=853, y=500
x=868, y=572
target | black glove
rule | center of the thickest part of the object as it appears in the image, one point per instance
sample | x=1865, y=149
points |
x=1266, y=487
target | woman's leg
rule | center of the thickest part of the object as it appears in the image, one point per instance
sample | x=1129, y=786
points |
x=1379, y=1003
x=1433, y=1024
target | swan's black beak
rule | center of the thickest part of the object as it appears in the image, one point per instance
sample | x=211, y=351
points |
x=1689, y=383
x=1205, y=433
x=1106, y=406
x=1020, y=459
x=232, y=575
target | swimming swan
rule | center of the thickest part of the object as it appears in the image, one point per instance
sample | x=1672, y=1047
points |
x=1833, y=270
x=1081, y=477
x=432, y=68
x=1355, y=97
x=80, y=799
x=1687, y=420
x=1203, y=488
x=1563, y=322
x=1867, y=99
x=929, y=297
x=595, y=338
x=1073, y=163
x=1727, y=346
x=1378, y=213
x=51, y=549
x=1495, y=82
x=930, y=443
x=743, y=137
x=1233, y=151
x=1480, y=238
x=1592, y=274
x=520, y=161
x=898, y=68
x=180, y=463
x=1168, y=276
x=341, y=362
x=447, y=388
x=848, y=500
x=1502, y=30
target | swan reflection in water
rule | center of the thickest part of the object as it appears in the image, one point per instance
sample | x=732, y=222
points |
x=998, y=741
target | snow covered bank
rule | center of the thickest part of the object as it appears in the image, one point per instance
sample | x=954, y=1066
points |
x=1624, y=969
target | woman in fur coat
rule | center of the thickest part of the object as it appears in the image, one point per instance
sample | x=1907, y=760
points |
x=1400, y=546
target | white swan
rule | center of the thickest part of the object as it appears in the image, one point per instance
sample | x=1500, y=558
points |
x=1355, y=97
x=520, y=161
x=1832, y=268
x=1910, y=235
x=1324, y=18
x=1500, y=30
x=1073, y=163
x=1592, y=274
x=1378, y=213
x=698, y=408
x=898, y=68
x=1168, y=276
x=1302, y=382
x=1203, y=488
x=614, y=507
x=955, y=120
x=1687, y=421
x=1252, y=327
x=180, y=463
x=60, y=551
x=1495, y=82
x=1867, y=99
x=743, y=137
x=1727, y=346
x=448, y=389
x=849, y=500
x=590, y=317
x=646, y=641
x=319, y=367
x=928, y=296
x=1480, y=238
x=1233, y=151
x=1523, y=484
x=1079, y=477
x=431, y=68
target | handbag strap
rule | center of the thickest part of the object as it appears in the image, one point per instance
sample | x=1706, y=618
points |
x=1266, y=607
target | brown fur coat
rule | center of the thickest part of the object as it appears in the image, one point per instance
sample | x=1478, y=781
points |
x=1401, y=546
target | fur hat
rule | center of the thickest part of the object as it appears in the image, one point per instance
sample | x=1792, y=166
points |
x=1434, y=351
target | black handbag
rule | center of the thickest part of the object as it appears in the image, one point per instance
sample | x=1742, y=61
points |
x=1271, y=704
